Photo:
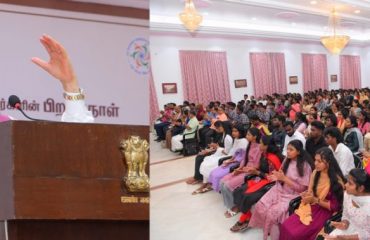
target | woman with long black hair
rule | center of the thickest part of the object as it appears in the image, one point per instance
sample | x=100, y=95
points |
x=251, y=191
x=223, y=143
x=292, y=179
x=251, y=158
x=356, y=208
x=323, y=198
x=236, y=141
x=353, y=138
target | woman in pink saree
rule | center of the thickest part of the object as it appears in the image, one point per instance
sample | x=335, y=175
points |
x=292, y=179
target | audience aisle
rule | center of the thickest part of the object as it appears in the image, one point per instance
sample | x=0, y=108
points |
x=175, y=213
x=158, y=153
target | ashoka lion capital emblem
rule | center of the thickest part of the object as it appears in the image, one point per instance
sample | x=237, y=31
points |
x=135, y=151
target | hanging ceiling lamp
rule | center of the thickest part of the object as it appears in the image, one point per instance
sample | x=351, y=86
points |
x=190, y=16
x=334, y=43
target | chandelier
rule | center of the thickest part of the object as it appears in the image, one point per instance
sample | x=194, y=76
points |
x=190, y=16
x=334, y=43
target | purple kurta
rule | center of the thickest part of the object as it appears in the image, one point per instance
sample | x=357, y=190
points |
x=217, y=174
x=293, y=229
x=272, y=209
x=233, y=181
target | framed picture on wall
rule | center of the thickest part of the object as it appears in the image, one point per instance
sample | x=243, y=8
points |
x=333, y=78
x=293, y=79
x=169, y=88
x=240, y=83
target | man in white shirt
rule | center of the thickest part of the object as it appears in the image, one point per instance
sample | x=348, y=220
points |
x=291, y=135
x=342, y=153
x=60, y=67
x=190, y=127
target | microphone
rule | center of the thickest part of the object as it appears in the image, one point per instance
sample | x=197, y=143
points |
x=15, y=102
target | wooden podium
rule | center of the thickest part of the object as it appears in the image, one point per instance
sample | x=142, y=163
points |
x=64, y=181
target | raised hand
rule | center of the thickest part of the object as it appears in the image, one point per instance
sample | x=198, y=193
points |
x=59, y=65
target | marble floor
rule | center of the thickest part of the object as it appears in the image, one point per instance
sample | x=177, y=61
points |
x=175, y=213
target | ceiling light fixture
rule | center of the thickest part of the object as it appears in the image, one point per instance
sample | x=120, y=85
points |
x=334, y=43
x=357, y=11
x=313, y=2
x=190, y=16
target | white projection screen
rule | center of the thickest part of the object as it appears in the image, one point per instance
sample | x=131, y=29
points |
x=109, y=54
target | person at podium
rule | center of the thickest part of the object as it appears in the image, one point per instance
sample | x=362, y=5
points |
x=60, y=67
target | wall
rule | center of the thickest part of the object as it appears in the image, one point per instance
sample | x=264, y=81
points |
x=166, y=66
x=97, y=46
x=365, y=67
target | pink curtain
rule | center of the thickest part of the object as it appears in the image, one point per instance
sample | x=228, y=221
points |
x=315, y=72
x=268, y=72
x=350, y=72
x=204, y=76
x=153, y=102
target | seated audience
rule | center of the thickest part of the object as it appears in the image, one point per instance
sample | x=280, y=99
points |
x=210, y=163
x=306, y=106
x=316, y=139
x=331, y=121
x=251, y=191
x=310, y=118
x=341, y=118
x=240, y=144
x=291, y=135
x=352, y=136
x=241, y=118
x=356, y=108
x=294, y=108
x=363, y=122
x=190, y=128
x=323, y=198
x=262, y=113
x=342, y=153
x=200, y=112
x=292, y=179
x=278, y=131
x=163, y=122
x=230, y=111
x=218, y=143
x=250, y=159
x=300, y=123
x=356, y=208
x=177, y=128
x=324, y=115
x=206, y=136
x=257, y=123
x=315, y=112
x=320, y=104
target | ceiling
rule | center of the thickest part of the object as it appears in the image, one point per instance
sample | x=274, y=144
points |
x=144, y=4
x=293, y=19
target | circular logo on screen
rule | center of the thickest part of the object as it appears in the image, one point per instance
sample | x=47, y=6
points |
x=138, y=55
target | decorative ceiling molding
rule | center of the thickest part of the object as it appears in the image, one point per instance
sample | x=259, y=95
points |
x=261, y=19
x=223, y=32
x=359, y=3
x=300, y=8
